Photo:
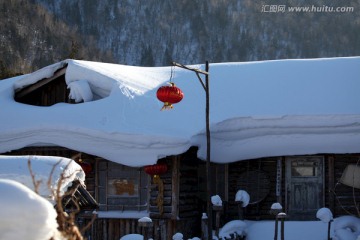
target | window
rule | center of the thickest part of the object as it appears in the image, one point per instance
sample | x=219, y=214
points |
x=121, y=187
x=302, y=168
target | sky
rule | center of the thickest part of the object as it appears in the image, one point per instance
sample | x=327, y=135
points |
x=257, y=109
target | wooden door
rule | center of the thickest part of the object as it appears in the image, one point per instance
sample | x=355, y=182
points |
x=305, y=186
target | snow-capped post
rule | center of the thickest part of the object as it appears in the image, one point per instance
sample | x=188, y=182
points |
x=204, y=226
x=282, y=217
x=242, y=198
x=217, y=207
x=207, y=123
x=145, y=223
x=275, y=209
x=326, y=216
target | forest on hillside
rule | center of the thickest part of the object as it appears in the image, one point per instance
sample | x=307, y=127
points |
x=37, y=33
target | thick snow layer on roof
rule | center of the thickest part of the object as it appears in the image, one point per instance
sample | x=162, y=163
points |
x=46, y=170
x=257, y=109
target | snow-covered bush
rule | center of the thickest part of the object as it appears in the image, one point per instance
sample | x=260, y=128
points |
x=346, y=228
x=235, y=227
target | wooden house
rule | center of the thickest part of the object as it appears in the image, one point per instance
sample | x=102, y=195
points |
x=301, y=180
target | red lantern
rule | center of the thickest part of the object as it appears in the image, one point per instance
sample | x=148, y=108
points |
x=169, y=95
x=156, y=169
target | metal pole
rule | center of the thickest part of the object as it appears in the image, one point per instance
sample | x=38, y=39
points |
x=208, y=168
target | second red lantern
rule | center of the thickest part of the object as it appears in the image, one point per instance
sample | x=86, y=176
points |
x=169, y=95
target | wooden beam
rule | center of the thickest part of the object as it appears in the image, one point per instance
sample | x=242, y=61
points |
x=175, y=181
x=24, y=91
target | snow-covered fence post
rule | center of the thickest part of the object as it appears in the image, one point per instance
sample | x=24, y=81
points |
x=204, y=226
x=217, y=210
x=282, y=217
x=326, y=216
x=145, y=223
x=275, y=209
x=217, y=207
x=242, y=198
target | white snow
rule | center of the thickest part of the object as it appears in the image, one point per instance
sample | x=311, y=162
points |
x=242, y=196
x=235, y=226
x=324, y=214
x=24, y=214
x=276, y=206
x=80, y=91
x=216, y=200
x=123, y=214
x=346, y=228
x=178, y=236
x=133, y=236
x=145, y=219
x=16, y=168
x=257, y=109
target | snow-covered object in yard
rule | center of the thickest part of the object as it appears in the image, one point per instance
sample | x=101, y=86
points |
x=235, y=226
x=16, y=168
x=242, y=196
x=294, y=230
x=216, y=200
x=257, y=109
x=133, y=236
x=145, y=219
x=346, y=228
x=276, y=206
x=324, y=214
x=178, y=236
x=194, y=238
x=24, y=214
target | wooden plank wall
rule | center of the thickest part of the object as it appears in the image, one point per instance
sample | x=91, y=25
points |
x=237, y=170
x=168, y=192
x=114, y=229
x=53, y=92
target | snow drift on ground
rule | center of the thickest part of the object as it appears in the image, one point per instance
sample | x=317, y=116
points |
x=24, y=214
x=257, y=109
x=16, y=168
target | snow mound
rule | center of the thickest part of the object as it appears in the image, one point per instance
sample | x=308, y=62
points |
x=235, y=226
x=132, y=237
x=346, y=228
x=178, y=236
x=216, y=200
x=276, y=206
x=145, y=219
x=25, y=215
x=242, y=196
x=324, y=214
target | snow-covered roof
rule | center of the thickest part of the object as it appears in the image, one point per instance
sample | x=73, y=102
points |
x=46, y=171
x=257, y=109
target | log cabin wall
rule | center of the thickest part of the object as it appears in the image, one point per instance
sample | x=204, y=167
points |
x=258, y=178
x=46, y=92
x=192, y=195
